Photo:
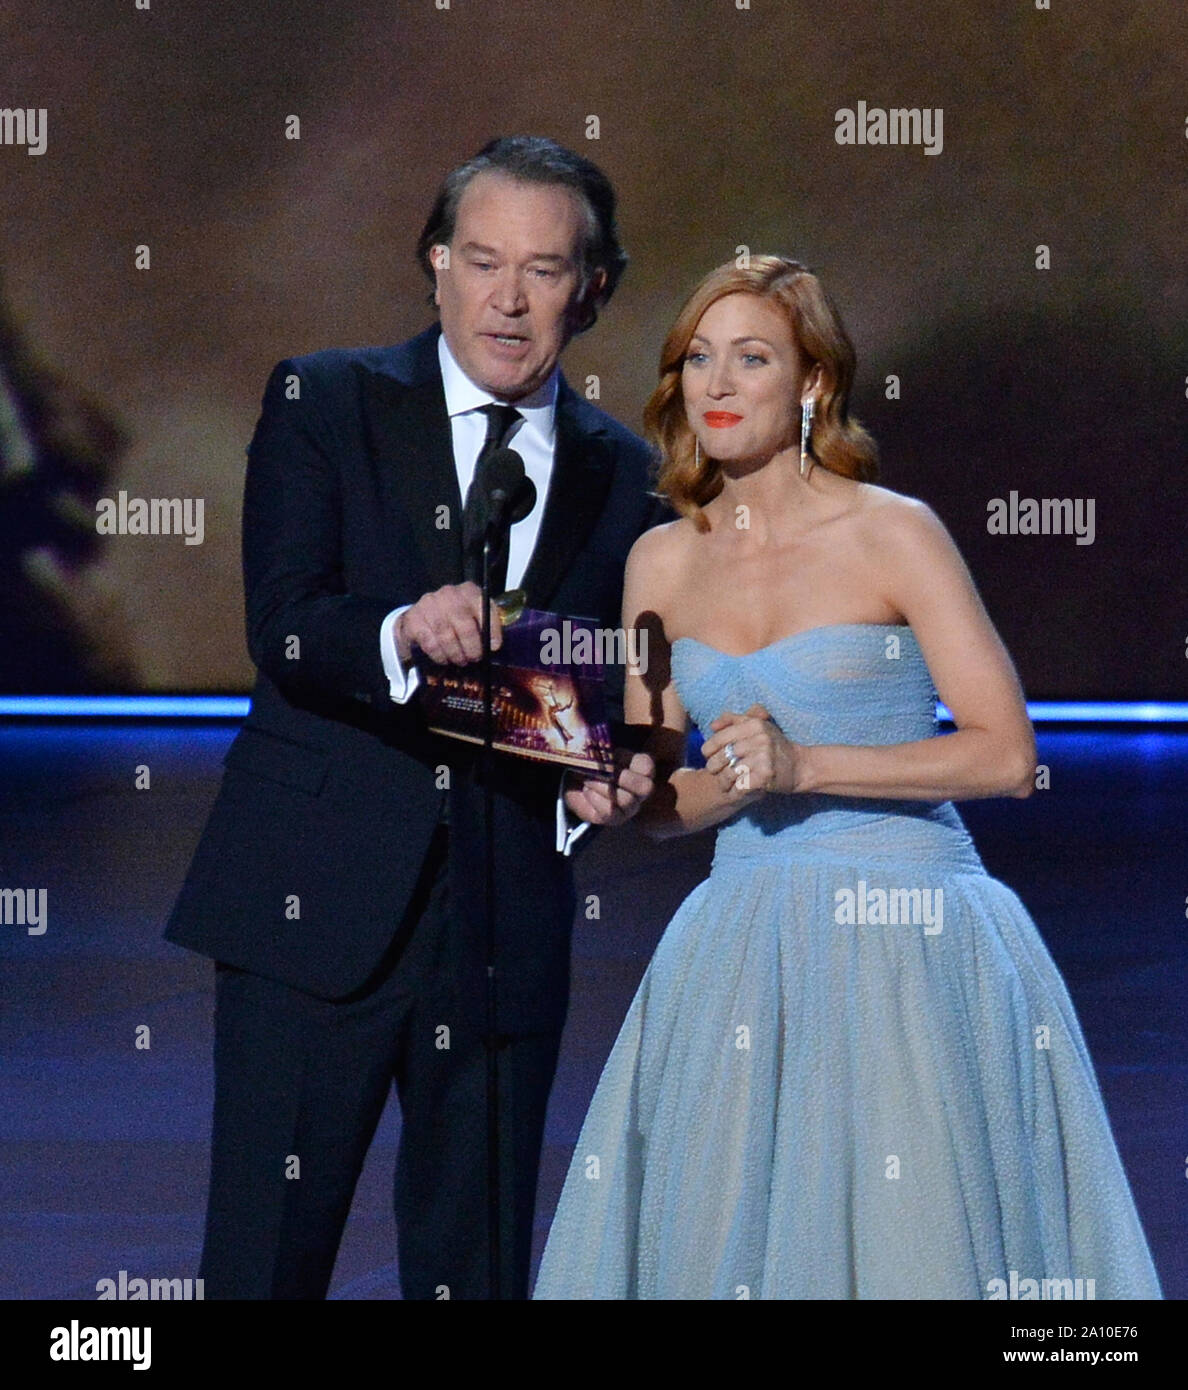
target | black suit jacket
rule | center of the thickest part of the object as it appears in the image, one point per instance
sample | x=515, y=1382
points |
x=331, y=791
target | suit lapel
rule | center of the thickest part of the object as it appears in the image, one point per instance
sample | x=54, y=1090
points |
x=582, y=470
x=410, y=438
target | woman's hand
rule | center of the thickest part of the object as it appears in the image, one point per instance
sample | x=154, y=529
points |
x=748, y=755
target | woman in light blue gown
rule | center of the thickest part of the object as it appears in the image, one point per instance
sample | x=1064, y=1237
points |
x=851, y=1069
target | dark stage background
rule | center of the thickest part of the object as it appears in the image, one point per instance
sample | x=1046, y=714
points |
x=1063, y=128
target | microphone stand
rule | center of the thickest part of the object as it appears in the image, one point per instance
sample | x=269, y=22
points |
x=511, y=491
x=494, y=1164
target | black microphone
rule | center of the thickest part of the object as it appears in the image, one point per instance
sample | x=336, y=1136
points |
x=510, y=493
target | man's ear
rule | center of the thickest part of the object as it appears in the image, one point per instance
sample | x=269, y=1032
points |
x=582, y=311
x=439, y=259
x=595, y=287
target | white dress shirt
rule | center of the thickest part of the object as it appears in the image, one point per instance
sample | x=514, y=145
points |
x=534, y=438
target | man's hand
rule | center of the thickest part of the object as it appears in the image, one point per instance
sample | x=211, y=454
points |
x=447, y=625
x=611, y=803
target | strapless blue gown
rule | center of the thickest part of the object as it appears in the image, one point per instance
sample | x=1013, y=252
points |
x=851, y=1069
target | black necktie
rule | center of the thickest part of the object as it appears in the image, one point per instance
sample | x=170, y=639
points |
x=500, y=421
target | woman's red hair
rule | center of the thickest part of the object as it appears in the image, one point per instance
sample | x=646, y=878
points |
x=838, y=442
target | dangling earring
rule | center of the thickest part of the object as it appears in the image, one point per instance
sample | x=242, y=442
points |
x=696, y=453
x=806, y=428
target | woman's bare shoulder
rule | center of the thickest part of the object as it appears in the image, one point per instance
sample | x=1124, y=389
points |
x=905, y=541
x=662, y=546
x=657, y=570
x=894, y=516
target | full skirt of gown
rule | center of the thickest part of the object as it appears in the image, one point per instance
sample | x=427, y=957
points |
x=851, y=1069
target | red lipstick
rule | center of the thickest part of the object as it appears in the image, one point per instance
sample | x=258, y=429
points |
x=720, y=419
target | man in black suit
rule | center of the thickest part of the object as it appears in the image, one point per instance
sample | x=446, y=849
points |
x=337, y=884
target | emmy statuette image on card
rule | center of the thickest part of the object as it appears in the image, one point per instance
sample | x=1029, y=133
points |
x=547, y=692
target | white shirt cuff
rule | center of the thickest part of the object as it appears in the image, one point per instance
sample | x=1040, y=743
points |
x=401, y=683
x=567, y=834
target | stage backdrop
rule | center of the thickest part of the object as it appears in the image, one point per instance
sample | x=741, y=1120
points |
x=191, y=192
